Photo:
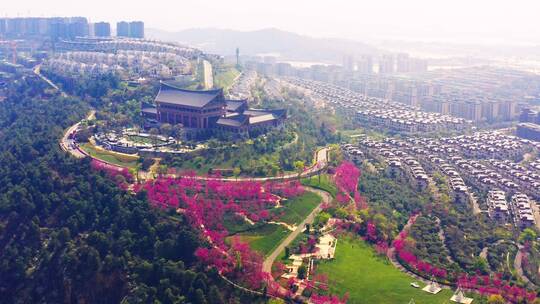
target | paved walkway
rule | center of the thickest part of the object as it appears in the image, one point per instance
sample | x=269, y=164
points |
x=519, y=269
x=321, y=161
x=326, y=198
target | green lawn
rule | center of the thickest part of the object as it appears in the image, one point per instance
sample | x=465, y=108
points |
x=368, y=278
x=325, y=183
x=235, y=224
x=144, y=140
x=297, y=209
x=109, y=157
x=265, y=238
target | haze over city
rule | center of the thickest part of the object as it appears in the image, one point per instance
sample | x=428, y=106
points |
x=463, y=21
x=270, y=152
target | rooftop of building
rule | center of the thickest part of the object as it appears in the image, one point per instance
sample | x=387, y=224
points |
x=529, y=125
x=171, y=94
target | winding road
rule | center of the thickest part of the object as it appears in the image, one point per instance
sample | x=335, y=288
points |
x=320, y=160
x=68, y=144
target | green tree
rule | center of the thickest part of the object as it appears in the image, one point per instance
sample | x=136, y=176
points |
x=322, y=218
x=153, y=135
x=299, y=167
x=481, y=265
x=496, y=299
x=236, y=172
x=166, y=129
x=302, y=272
x=178, y=132
x=528, y=235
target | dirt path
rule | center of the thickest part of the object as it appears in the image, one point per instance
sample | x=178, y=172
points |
x=484, y=252
x=442, y=237
x=519, y=269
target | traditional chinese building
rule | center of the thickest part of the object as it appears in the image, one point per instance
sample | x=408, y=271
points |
x=209, y=109
x=193, y=109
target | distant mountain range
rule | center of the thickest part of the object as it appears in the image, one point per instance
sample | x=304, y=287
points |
x=287, y=45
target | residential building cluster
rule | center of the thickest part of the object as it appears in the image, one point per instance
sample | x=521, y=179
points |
x=379, y=112
x=529, y=115
x=351, y=66
x=133, y=29
x=401, y=63
x=66, y=28
x=129, y=64
x=37, y=27
x=116, y=44
x=529, y=128
x=494, y=177
x=399, y=161
x=522, y=210
x=478, y=94
x=518, y=210
x=498, y=208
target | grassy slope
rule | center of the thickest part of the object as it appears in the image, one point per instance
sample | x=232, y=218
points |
x=225, y=79
x=298, y=208
x=264, y=238
x=325, y=183
x=129, y=162
x=370, y=279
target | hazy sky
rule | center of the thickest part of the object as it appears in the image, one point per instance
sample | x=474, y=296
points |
x=455, y=20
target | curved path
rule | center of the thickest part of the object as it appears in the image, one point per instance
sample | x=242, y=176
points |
x=68, y=144
x=442, y=238
x=320, y=160
x=269, y=261
x=519, y=268
x=484, y=252
x=391, y=254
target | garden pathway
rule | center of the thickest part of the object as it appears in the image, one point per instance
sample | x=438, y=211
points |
x=326, y=198
x=484, y=252
x=320, y=161
x=442, y=237
x=519, y=269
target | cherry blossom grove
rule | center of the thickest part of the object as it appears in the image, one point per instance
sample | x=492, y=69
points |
x=205, y=201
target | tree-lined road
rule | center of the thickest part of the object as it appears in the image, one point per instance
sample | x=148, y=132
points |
x=37, y=71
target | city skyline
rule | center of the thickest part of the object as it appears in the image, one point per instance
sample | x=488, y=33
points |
x=458, y=21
